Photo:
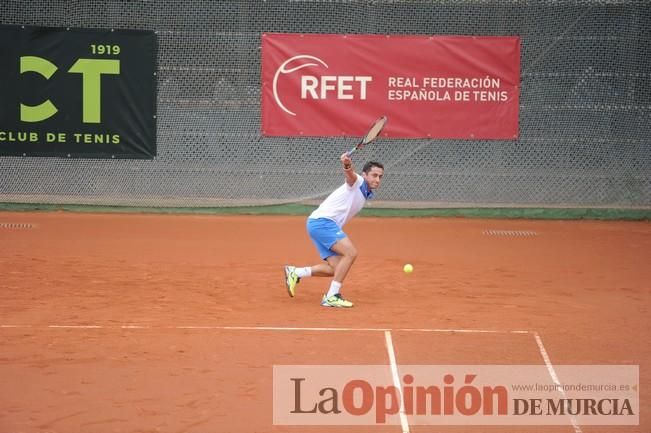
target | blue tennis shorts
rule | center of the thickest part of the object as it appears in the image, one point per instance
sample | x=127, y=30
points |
x=324, y=233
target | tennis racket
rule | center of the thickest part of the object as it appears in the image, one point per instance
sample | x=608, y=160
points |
x=370, y=135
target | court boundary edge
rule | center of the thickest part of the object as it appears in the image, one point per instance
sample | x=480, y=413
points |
x=545, y=213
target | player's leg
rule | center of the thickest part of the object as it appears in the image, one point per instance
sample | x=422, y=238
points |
x=294, y=274
x=318, y=270
x=323, y=233
x=326, y=269
x=341, y=263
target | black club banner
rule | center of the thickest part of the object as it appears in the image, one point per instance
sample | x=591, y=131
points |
x=77, y=92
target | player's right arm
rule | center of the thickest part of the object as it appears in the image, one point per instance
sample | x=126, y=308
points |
x=349, y=170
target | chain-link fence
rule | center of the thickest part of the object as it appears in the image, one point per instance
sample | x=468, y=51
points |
x=585, y=107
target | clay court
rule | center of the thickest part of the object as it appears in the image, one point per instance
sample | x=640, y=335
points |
x=144, y=323
x=158, y=160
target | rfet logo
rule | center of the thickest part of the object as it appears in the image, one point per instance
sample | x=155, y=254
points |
x=314, y=83
x=333, y=85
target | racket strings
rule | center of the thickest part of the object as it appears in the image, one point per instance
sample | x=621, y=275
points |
x=375, y=130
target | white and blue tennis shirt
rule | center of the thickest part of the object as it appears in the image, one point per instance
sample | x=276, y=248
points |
x=345, y=202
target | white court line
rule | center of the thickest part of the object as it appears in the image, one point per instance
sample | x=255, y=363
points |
x=76, y=326
x=283, y=328
x=467, y=331
x=275, y=328
x=396, y=380
x=554, y=376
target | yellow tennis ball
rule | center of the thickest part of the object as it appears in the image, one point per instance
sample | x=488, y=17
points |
x=408, y=268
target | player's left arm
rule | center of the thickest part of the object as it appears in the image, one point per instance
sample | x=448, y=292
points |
x=349, y=169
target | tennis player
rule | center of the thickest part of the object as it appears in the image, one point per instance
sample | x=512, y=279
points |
x=325, y=227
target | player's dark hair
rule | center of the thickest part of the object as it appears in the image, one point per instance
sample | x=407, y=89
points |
x=369, y=165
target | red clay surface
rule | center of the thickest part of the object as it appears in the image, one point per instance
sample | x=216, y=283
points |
x=583, y=286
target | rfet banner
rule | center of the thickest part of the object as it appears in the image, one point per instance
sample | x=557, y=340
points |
x=461, y=87
x=77, y=92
